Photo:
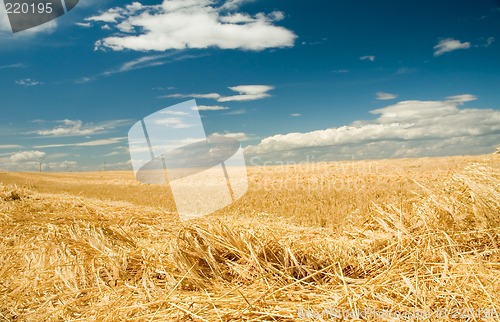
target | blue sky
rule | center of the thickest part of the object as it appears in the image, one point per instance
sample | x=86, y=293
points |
x=322, y=80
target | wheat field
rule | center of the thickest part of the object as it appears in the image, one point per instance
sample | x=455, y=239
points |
x=361, y=240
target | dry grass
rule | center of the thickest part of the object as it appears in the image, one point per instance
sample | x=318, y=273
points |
x=307, y=242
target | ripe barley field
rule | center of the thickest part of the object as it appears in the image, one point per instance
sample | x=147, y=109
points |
x=371, y=240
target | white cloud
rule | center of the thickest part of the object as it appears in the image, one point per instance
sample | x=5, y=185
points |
x=382, y=96
x=28, y=82
x=9, y=146
x=140, y=63
x=113, y=15
x=448, y=45
x=369, y=57
x=42, y=164
x=209, y=96
x=84, y=80
x=181, y=24
x=115, y=153
x=55, y=156
x=159, y=88
x=173, y=122
x=118, y=150
x=18, y=65
x=408, y=112
x=78, y=128
x=278, y=16
x=83, y=24
x=461, y=99
x=234, y=4
x=211, y=108
x=92, y=143
x=60, y=166
x=246, y=93
x=488, y=43
x=405, y=71
x=71, y=128
x=178, y=113
x=109, y=16
x=101, y=142
x=28, y=156
x=240, y=136
x=236, y=112
x=296, y=114
x=238, y=18
x=407, y=128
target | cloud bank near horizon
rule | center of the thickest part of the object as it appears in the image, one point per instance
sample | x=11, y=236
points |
x=406, y=129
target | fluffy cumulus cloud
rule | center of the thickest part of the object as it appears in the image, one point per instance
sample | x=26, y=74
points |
x=36, y=161
x=405, y=129
x=181, y=24
x=245, y=93
x=448, y=45
x=28, y=156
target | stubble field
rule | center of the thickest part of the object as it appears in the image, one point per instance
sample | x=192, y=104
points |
x=373, y=240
